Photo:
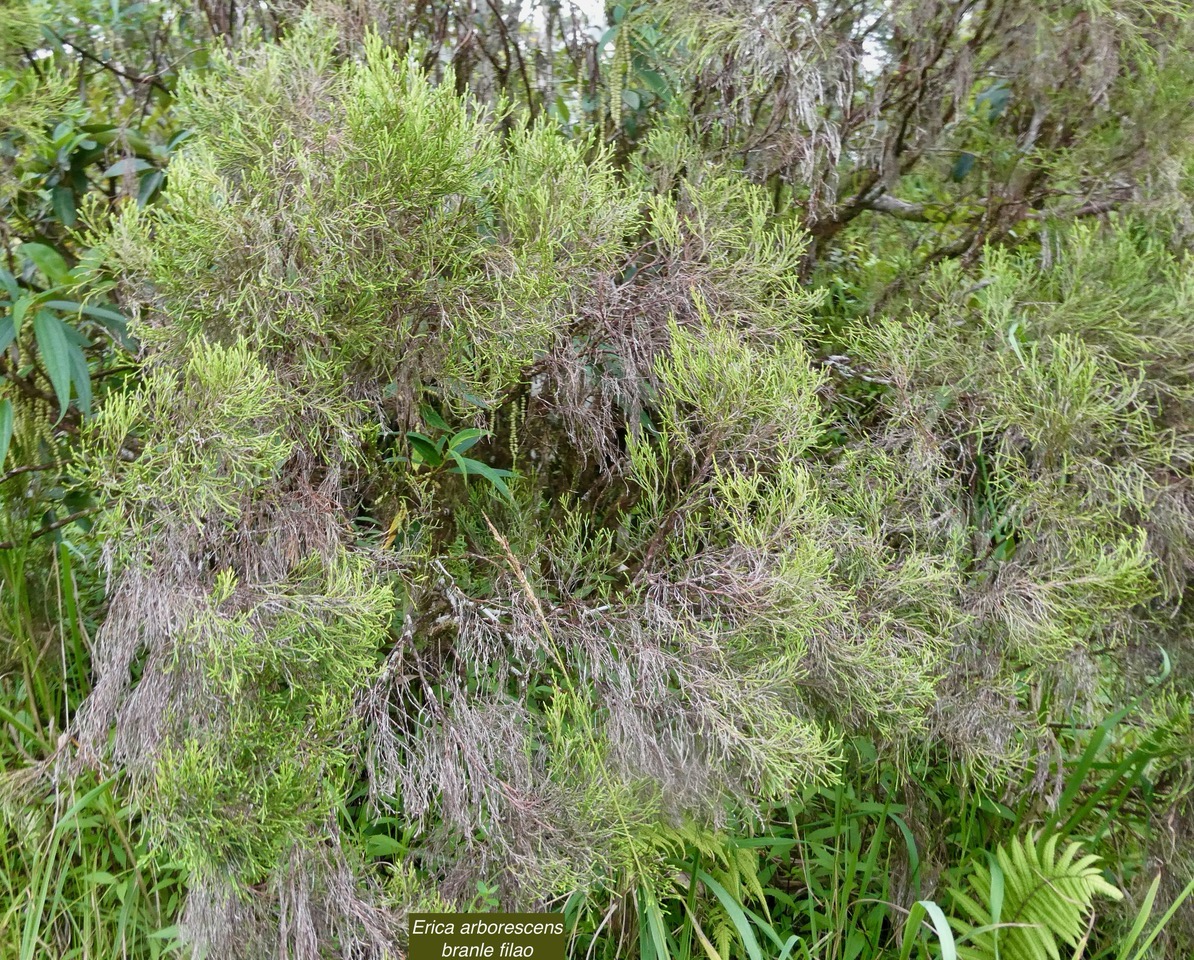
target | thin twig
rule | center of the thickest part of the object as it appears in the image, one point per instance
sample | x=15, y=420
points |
x=28, y=468
x=51, y=527
x=149, y=79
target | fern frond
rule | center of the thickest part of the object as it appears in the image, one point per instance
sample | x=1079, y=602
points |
x=1047, y=900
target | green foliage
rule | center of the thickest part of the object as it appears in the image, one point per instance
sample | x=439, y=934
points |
x=93, y=887
x=227, y=404
x=831, y=369
x=448, y=451
x=235, y=794
x=456, y=269
x=1030, y=898
x=5, y=428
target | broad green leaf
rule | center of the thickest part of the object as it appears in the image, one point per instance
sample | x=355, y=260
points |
x=112, y=320
x=63, y=199
x=472, y=398
x=56, y=349
x=178, y=139
x=426, y=449
x=80, y=375
x=48, y=260
x=9, y=282
x=996, y=899
x=51, y=39
x=432, y=418
x=998, y=809
x=995, y=99
x=149, y=186
x=962, y=166
x=100, y=313
x=19, y=309
x=383, y=845
x=656, y=84
x=949, y=950
x=138, y=141
x=461, y=465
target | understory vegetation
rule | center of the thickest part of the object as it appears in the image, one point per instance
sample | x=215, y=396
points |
x=718, y=471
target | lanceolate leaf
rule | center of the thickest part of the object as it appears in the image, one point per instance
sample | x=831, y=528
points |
x=48, y=260
x=428, y=452
x=19, y=309
x=126, y=166
x=467, y=466
x=9, y=282
x=734, y=909
x=149, y=186
x=108, y=317
x=465, y=439
x=100, y=313
x=80, y=373
x=949, y=950
x=432, y=417
x=5, y=428
x=55, y=353
x=64, y=205
x=996, y=899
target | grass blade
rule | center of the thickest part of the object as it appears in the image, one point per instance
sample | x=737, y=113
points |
x=734, y=909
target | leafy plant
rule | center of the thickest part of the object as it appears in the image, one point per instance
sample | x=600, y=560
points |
x=1029, y=898
x=448, y=452
x=487, y=898
x=1127, y=948
x=60, y=345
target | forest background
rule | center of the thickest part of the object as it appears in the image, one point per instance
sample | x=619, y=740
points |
x=719, y=471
